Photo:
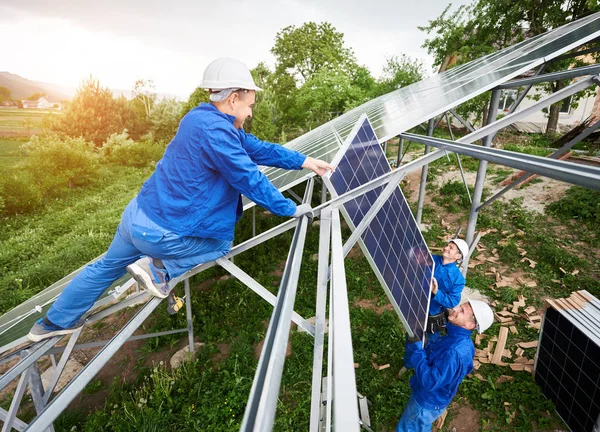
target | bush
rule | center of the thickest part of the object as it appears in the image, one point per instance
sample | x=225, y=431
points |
x=121, y=150
x=58, y=164
x=18, y=193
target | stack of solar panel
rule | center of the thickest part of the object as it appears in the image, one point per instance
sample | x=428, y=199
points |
x=568, y=359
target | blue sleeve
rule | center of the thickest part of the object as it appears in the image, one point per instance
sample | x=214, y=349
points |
x=410, y=349
x=224, y=153
x=274, y=155
x=450, y=289
x=439, y=374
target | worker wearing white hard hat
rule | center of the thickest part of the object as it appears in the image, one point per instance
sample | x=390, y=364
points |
x=186, y=211
x=447, y=284
x=441, y=365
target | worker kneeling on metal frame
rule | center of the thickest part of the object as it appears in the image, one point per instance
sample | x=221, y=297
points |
x=186, y=211
x=441, y=365
x=447, y=285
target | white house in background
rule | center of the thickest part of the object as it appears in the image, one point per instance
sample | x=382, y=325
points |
x=41, y=103
x=536, y=123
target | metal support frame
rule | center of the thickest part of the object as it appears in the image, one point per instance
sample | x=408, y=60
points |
x=583, y=135
x=552, y=76
x=430, y=129
x=262, y=401
x=460, y=167
x=344, y=397
x=481, y=169
x=264, y=293
x=322, y=279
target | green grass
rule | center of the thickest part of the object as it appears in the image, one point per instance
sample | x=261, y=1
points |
x=23, y=122
x=203, y=395
x=10, y=153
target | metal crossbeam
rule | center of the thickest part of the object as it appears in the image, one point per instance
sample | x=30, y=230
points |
x=552, y=76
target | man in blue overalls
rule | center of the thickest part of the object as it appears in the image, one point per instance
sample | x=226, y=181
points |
x=186, y=211
x=441, y=365
x=447, y=285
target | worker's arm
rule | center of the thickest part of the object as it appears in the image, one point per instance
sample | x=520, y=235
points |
x=438, y=374
x=223, y=152
x=450, y=289
x=266, y=153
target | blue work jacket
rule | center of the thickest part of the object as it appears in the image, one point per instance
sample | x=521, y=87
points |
x=195, y=190
x=440, y=367
x=450, y=285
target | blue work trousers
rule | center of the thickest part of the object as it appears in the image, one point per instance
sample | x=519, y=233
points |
x=136, y=236
x=415, y=418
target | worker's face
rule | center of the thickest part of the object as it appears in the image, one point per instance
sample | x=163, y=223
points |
x=462, y=316
x=450, y=252
x=241, y=104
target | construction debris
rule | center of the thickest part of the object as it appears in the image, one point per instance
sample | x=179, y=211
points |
x=526, y=345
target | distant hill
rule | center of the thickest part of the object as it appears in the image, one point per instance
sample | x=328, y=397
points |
x=22, y=88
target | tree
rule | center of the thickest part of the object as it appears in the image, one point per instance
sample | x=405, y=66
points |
x=144, y=93
x=399, y=71
x=302, y=51
x=165, y=116
x=95, y=115
x=308, y=60
x=196, y=98
x=262, y=123
x=5, y=94
x=489, y=25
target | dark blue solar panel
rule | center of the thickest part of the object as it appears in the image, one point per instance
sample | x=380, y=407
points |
x=568, y=371
x=394, y=243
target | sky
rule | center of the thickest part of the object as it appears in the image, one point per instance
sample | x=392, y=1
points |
x=171, y=42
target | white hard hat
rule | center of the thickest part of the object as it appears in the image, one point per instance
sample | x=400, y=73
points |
x=227, y=73
x=462, y=246
x=484, y=315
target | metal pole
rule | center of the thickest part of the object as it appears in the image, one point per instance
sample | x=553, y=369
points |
x=400, y=151
x=262, y=401
x=481, y=170
x=320, y=311
x=37, y=389
x=10, y=420
x=345, y=409
x=254, y=221
x=188, y=312
x=430, y=128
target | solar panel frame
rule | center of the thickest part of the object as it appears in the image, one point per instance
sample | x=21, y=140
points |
x=567, y=365
x=370, y=240
x=403, y=109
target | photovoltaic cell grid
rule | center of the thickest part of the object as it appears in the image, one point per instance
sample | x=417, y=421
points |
x=395, y=247
x=568, y=364
x=405, y=108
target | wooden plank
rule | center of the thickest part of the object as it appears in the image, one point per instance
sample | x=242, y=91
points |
x=526, y=345
x=513, y=329
x=502, y=336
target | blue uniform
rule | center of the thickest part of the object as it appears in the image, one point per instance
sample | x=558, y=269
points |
x=450, y=285
x=439, y=369
x=186, y=212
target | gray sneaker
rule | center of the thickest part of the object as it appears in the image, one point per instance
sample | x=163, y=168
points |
x=151, y=278
x=44, y=329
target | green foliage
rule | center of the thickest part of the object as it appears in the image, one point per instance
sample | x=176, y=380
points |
x=122, y=150
x=94, y=115
x=399, y=71
x=579, y=204
x=57, y=164
x=196, y=98
x=164, y=117
x=485, y=26
x=18, y=193
x=5, y=94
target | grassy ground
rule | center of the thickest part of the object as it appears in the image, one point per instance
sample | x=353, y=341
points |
x=10, y=153
x=210, y=393
x=22, y=122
